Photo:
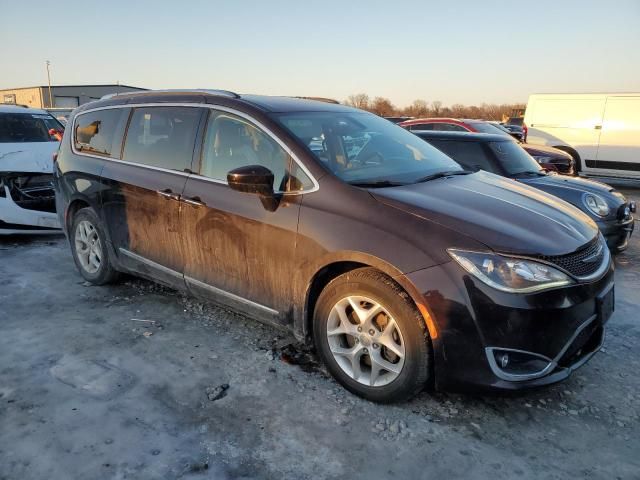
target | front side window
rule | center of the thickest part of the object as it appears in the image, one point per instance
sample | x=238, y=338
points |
x=94, y=131
x=232, y=142
x=362, y=148
x=162, y=137
x=471, y=155
x=27, y=127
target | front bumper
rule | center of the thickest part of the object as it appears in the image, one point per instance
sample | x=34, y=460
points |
x=471, y=322
x=15, y=219
x=617, y=233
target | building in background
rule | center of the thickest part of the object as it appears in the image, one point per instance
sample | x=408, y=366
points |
x=65, y=97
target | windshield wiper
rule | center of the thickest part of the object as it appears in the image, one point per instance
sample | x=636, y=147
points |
x=377, y=184
x=433, y=176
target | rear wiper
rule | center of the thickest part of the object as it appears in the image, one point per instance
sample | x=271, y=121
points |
x=433, y=176
x=378, y=184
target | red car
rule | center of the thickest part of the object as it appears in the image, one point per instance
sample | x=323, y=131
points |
x=549, y=157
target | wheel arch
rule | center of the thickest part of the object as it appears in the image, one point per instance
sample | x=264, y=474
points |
x=343, y=263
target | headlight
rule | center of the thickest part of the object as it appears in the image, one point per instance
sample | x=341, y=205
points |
x=596, y=204
x=514, y=275
x=542, y=158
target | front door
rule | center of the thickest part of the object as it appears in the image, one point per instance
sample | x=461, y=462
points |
x=237, y=251
x=141, y=203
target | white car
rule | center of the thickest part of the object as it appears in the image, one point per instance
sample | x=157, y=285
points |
x=27, y=201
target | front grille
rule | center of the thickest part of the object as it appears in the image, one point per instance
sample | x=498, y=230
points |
x=575, y=263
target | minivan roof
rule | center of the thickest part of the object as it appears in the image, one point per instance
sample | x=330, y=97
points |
x=262, y=102
x=463, y=136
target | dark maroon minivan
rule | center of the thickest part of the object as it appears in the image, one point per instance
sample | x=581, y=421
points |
x=403, y=269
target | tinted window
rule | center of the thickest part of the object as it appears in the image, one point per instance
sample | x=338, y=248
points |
x=513, y=158
x=448, y=127
x=471, y=155
x=232, y=142
x=162, y=137
x=421, y=126
x=486, y=127
x=364, y=148
x=26, y=127
x=95, y=131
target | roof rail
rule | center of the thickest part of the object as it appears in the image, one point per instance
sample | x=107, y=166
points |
x=224, y=93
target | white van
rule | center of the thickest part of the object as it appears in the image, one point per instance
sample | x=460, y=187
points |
x=600, y=130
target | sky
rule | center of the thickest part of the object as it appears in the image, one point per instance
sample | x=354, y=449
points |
x=467, y=52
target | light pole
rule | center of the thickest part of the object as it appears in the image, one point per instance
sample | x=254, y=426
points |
x=49, y=80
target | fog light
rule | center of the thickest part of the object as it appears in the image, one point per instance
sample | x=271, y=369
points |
x=503, y=360
x=518, y=365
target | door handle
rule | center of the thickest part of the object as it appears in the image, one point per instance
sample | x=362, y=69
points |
x=598, y=127
x=168, y=194
x=195, y=201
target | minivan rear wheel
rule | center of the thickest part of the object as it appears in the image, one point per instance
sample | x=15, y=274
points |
x=89, y=248
x=371, y=336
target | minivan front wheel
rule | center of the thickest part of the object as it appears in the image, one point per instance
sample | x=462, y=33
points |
x=371, y=336
x=88, y=245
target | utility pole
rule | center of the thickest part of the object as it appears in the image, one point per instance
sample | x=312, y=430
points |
x=49, y=80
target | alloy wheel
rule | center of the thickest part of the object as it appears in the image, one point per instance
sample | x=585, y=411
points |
x=88, y=246
x=365, y=341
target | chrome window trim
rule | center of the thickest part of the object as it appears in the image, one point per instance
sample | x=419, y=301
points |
x=259, y=125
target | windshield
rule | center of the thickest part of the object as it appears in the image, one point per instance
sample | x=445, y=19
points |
x=514, y=159
x=27, y=127
x=363, y=148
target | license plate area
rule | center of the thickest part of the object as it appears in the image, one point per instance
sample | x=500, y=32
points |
x=606, y=305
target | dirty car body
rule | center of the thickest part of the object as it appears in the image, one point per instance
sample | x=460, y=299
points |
x=333, y=210
x=27, y=202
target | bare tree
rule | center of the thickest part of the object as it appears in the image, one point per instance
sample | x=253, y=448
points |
x=419, y=108
x=382, y=106
x=436, y=105
x=359, y=100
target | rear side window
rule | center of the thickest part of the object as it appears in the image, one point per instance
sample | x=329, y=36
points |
x=94, y=131
x=421, y=126
x=162, y=137
x=471, y=155
x=26, y=127
x=448, y=127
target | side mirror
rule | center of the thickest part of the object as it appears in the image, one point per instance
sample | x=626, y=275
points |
x=252, y=179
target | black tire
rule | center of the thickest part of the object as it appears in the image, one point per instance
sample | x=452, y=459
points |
x=371, y=283
x=105, y=273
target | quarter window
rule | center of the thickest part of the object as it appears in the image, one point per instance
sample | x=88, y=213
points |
x=95, y=131
x=232, y=142
x=162, y=137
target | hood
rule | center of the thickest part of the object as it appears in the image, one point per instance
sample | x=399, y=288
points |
x=571, y=189
x=33, y=157
x=501, y=213
x=543, y=149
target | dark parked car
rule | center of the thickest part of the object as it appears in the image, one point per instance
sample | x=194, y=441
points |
x=500, y=155
x=550, y=158
x=403, y=269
